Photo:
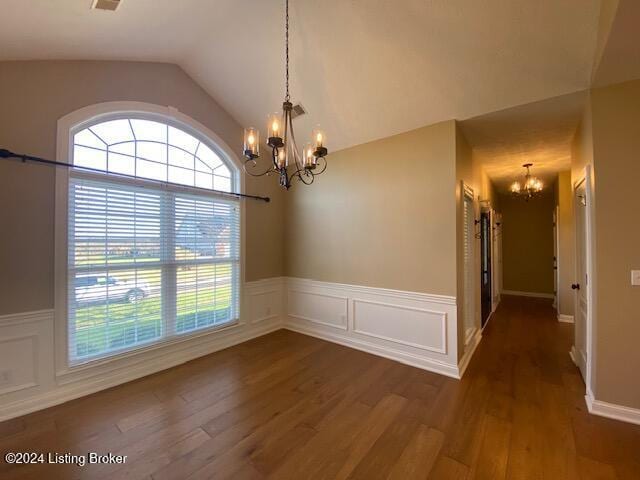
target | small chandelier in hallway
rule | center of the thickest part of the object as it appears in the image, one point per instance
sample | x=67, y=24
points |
x=286, y=161
x=529, y=187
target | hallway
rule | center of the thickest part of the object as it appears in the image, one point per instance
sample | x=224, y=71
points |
x=289, y=406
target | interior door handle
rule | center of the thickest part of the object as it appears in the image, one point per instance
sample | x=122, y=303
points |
x=575, y=286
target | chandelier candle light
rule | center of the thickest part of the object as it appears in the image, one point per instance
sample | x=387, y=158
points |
x=286, y=160
x=529, y=187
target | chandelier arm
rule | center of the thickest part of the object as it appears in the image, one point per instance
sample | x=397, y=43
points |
x=302, y=174
x=324, y=167
x=248, y=172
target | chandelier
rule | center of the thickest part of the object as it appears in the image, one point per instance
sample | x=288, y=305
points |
x=287, y=161
x=529, y=187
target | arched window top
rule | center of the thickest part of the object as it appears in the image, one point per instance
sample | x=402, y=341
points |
x=151, y=149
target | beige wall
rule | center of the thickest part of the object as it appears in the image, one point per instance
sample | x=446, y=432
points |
x=616, y=146
x=527, y=243
x=382, y=215
x=566, y=243
x=33, y=96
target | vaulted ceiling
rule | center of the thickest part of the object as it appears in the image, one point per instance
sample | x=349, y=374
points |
x=363, y=69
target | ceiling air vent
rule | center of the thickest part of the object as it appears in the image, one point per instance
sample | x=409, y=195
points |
x=110, y=5
x=297, y=111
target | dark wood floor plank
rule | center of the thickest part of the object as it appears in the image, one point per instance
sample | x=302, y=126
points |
x=288, y=406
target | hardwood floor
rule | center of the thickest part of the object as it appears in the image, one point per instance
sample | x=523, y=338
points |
x=287, y=406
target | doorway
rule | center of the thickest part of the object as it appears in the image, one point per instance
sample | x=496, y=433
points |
x=485, y=266
x=580, y=351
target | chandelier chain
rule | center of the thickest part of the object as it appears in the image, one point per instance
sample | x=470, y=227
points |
x=286, y=32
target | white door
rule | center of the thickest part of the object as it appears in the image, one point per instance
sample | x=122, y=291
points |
x=580, y=287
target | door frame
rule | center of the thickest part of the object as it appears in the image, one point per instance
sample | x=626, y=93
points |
x=587, y=180
x=556, y=260
x=488, y=211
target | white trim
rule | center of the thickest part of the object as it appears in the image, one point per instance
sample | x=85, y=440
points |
x=590, y=253
x=48, y=390
x=436, y=351
x=341, y=326
x=443, y=325
x=25, y=317
x=87, y=386
x=574, y=355
x=527, y=294
x=79, y=119
x=266, y=294
x=470, y=350
x=611, y=410
x=375, y=349
x=565, y=318
x=345, y=287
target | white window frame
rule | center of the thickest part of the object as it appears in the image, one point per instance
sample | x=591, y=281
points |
x=66, y=129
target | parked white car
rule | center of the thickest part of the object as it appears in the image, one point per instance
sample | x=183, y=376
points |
x=102, y=288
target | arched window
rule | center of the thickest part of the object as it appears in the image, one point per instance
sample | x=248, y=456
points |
x=150, y=258
x=153, y=150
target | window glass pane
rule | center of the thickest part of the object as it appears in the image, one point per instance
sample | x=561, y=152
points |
x=89, y=157
x=221, y=183
x=153, y=170
x=122, y=164
x=149, y=130
x=180, y=175
x=156, y=152
x=146, y=264
x=180, y=158
x=183, y=140
x=204, y=180
x=88, y=139
x=208, y=157
x=113, y=310
x=204, y=296
x=113, y=131
x=126, y=148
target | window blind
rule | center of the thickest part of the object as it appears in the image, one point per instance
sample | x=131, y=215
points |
x=469, y=267
x=147, y=265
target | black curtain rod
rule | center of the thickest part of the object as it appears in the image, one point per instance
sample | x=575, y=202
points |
x=20, y=156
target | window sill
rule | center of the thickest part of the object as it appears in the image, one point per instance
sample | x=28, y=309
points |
x=145, y=353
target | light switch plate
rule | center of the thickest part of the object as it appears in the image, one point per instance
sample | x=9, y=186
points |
x=635, y=277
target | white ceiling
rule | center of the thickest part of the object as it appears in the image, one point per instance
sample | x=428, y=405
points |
x=538, y=133
x=364, y=69
x=367, y=69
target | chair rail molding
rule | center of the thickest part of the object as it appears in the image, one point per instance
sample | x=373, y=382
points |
x=414, y=328
x=27, y=348
x=418, y=329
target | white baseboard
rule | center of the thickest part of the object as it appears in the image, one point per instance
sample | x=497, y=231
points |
x=71, y=391
x=573, y=354
x=528, y=294
x=414, y=328
x=471, y=349
x=375, y=349
x=27, y=349
x=611, y=410
x=565, y=318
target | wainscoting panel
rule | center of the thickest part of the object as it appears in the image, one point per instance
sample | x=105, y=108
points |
x=319, y=308
x=414, y=328
x=27, y=353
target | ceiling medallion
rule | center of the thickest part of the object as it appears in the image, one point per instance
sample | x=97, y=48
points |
x=286, y=160
x=529, y=187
